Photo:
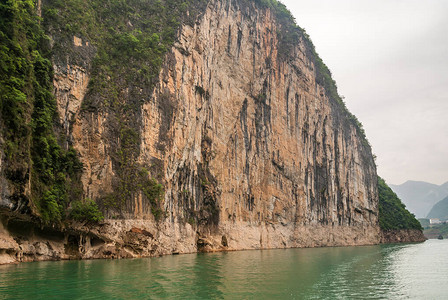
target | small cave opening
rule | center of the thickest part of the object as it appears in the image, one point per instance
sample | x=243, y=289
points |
x=49, y=234
x=20, y=228
x=224, y=241
x=72, y=246
x=96, y=242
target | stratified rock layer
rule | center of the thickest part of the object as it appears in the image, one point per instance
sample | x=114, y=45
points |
x=252, y=152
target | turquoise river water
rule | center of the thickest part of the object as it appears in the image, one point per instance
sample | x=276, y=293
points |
x=406, y=271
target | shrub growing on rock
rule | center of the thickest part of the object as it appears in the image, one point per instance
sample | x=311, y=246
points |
x=86, y=211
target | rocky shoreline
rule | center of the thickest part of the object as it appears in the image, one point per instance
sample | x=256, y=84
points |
x=402, y=236
x=23, y=239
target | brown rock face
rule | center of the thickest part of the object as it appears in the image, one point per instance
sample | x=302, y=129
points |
x=253, y=145
x=250, y=146
x=402, y=236
x=253, y=153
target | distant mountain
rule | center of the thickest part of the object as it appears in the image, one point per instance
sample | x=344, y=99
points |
x=439, y=210
x=419, y=196
x=445, y=185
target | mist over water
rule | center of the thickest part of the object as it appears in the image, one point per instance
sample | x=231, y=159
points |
x=410, y=271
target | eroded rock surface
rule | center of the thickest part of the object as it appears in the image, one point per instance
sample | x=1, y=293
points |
x=250, y=149
x=253, y=145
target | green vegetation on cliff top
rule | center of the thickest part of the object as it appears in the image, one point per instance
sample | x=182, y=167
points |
x=392, y=212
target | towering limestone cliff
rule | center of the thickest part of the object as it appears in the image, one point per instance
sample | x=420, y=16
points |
x=194, y=126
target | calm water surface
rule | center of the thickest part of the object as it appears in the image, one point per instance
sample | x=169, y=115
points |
x=411, y=271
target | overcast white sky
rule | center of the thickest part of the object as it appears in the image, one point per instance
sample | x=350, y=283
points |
x=390, y=61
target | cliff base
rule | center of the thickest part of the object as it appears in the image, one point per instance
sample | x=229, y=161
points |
x=402, y=236
x=24, y=239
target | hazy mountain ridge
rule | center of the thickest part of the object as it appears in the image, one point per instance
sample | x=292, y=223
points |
x=439, y=210
x=419, y=196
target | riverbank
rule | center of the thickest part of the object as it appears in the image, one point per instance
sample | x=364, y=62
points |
x=434, y=231
x=24, y=239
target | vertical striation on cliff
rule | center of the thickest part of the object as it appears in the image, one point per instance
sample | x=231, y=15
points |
x=242, y=127
x=254, y=145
